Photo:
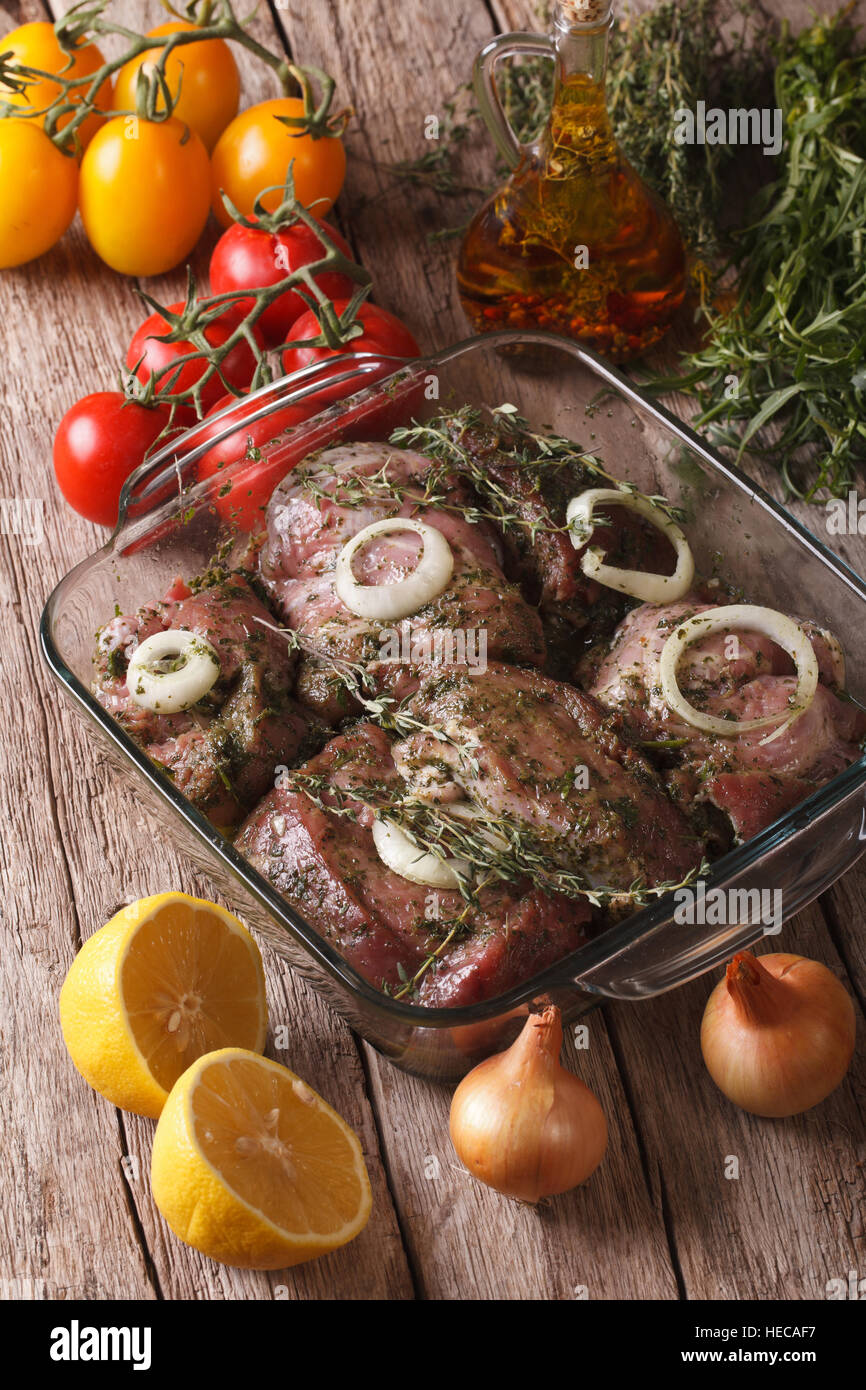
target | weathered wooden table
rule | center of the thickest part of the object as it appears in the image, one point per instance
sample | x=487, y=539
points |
x=660, y=1219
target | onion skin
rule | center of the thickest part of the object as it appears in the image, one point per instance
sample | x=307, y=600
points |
x=524, y=1125
x=778, y=1033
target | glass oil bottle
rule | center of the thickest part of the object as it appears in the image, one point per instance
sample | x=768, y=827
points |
x=574, y=242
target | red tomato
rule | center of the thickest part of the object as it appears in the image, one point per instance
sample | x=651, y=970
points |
x=100, y=441
x=237, y=368
x=243, y=500
x=383, y=333
x=245, y=258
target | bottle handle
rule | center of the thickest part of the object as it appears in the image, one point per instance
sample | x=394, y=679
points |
x=487, y=95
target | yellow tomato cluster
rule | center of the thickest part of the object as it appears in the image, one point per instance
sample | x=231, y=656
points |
x=144, y=188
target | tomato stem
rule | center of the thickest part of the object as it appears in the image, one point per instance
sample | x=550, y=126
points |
x=190, y=323
x=213, y=19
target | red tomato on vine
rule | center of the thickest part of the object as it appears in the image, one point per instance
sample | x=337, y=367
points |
x=148, y=357
x=248, y=258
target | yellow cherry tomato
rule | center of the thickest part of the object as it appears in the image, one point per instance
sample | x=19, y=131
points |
x=205, y=73
x=40, y=187
x=35, y=46
x=254, y=153
x=144, y=194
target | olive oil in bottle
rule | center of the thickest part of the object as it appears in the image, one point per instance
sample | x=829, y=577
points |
x=574, y=242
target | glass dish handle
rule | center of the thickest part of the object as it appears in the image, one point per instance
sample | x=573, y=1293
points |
x=487, y=94
x=672, y=952
x=666, y=959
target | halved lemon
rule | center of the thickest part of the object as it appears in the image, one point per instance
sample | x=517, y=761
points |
x=168, y=979
x=251, y=1167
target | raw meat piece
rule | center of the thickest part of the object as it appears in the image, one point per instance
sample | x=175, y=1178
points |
x=752, y=780
x=544, y=755
x=539, y=554
x=221, y=753
x=311, y=517
x=327, y=867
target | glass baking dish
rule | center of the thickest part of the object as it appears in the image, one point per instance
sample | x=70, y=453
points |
x=734, y=528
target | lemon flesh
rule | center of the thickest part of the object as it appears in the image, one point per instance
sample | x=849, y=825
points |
x=253, y=1168
x=166, y=980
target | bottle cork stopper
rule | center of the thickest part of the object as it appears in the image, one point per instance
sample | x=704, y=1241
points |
x=585, y=12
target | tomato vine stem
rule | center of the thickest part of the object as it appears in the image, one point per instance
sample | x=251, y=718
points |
x=191, y=322
x=213, y=19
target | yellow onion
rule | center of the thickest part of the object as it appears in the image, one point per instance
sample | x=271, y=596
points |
x=778, y=1033
x=523, y=1124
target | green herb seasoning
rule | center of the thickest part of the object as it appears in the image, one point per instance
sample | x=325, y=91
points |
x=790, y=350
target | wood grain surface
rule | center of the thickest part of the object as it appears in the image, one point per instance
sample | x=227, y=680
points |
x=660, y=1219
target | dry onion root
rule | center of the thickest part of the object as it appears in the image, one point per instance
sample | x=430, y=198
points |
x=778, y=1033
x=649, y=588
x=388, y=602
x=523, y=1124
x=171, y=671
x=778, y=627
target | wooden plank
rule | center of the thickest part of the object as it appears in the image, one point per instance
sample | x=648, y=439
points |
x=793, y=1217
x=725, y=1233
x=65, y=1220
x=66, y=1223
x=658, y=1189
x=396, y=66
x=79, y=846
x=453, y=1225
x=605, y=1240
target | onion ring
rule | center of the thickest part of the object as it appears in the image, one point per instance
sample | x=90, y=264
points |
x=398, y=852
x=650, y=588
x=171, y=671
x=387, y=602
x=777, y=626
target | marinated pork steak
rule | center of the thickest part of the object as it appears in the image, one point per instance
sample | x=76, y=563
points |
x=546, y=757
x=539, y=553
x=222, y=752
x=323, y=505
x=750, y=780
x=327, y=867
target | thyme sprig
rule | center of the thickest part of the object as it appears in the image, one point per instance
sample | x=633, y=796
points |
x=435, y=490
x=435, y=169
x=498, y=848
x=379, y=708
x=443, y=438
x=410, y=985
x=76, y=98
x=665, y=60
